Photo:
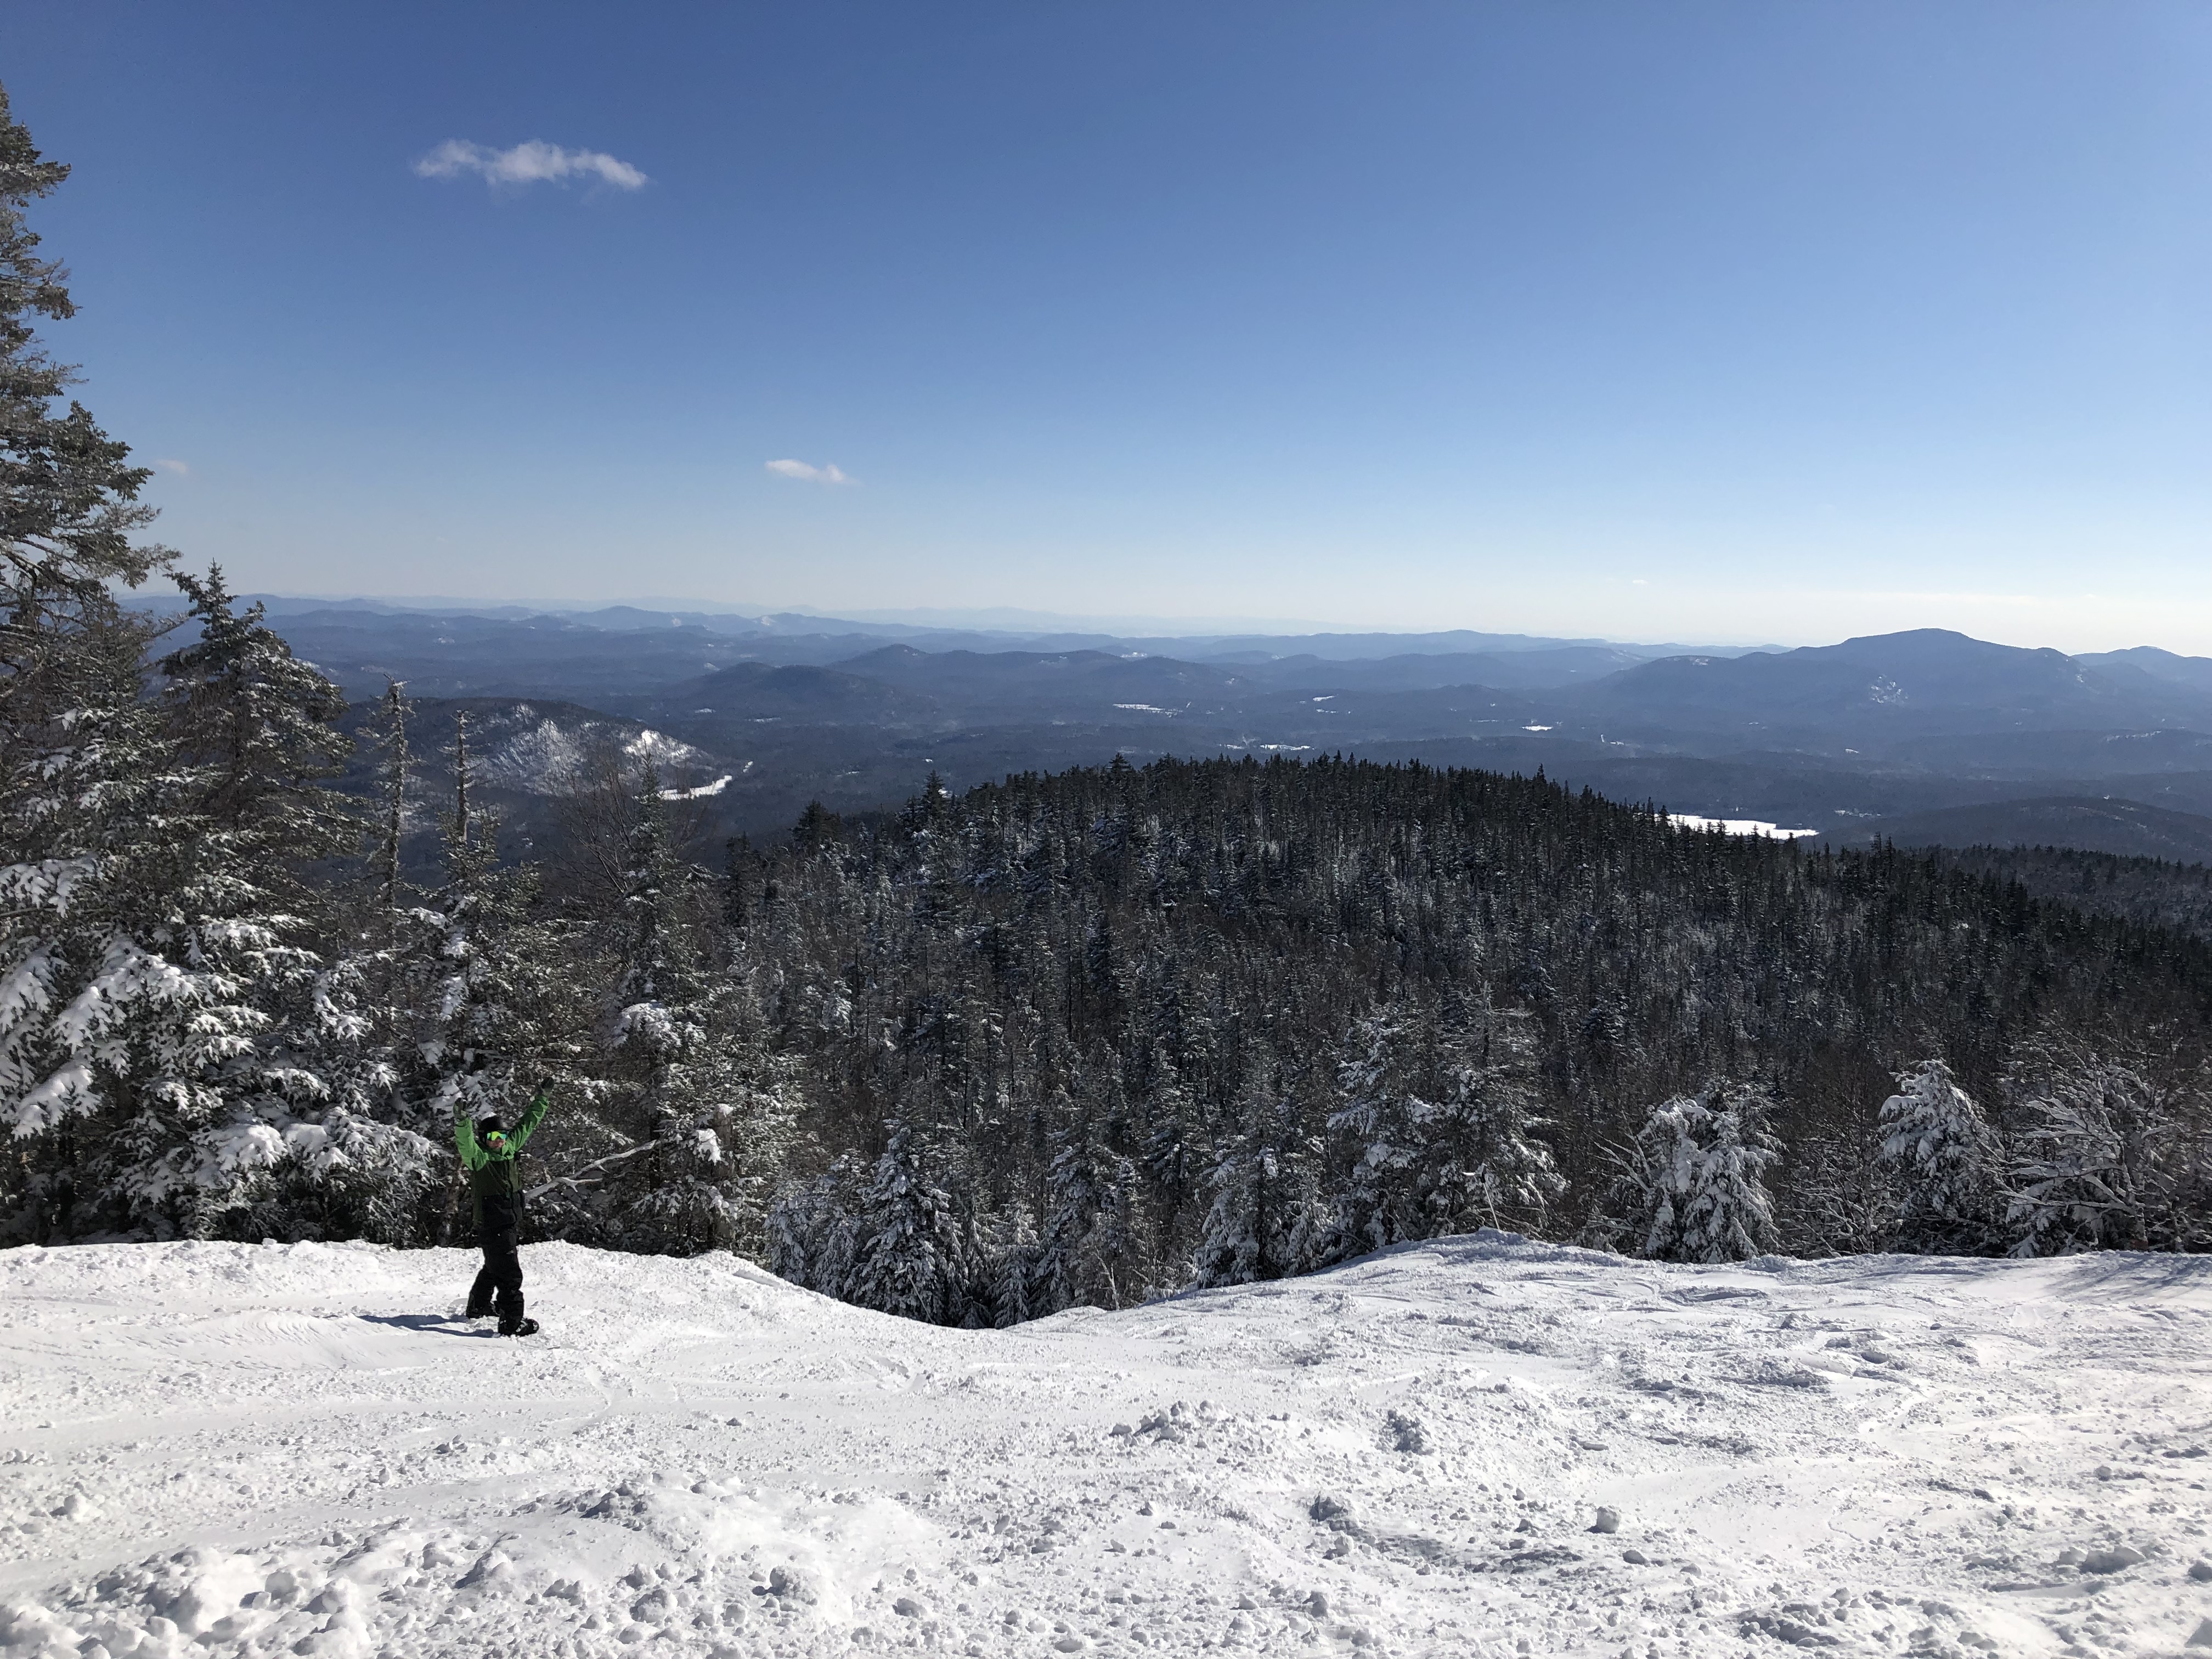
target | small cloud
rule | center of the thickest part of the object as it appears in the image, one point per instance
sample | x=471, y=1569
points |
x=1638, y=582
x=534, y=163
x=177, y=467
x=799, y=470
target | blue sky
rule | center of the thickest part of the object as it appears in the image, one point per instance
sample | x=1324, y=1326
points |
x=1737, y=321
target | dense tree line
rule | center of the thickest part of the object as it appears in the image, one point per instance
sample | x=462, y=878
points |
x=2157, y=893
x=1224, y=1020
x=1067, y=1039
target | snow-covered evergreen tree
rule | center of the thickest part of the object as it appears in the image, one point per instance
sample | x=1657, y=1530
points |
x=702, y=1122
x=813, y=1231
x=1171, y=1144
x=2094, y=1164
x=1086, y=1251
x=306, y=1138
x=1009, y=1265
x=1694, y=1186
x=1948, y=1163
x=1266, y=1210
x=1441, y=1133
x=105, y=1042
x=167, y=1005
x=109, y=1022
x=1380, y=1199
x=262, y=726
x=914, y=1256
x=1488, y=1168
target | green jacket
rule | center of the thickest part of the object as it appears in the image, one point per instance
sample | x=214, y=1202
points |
x=495, y=1178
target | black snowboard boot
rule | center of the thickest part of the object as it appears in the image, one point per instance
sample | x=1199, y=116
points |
x=477, y=1310
x=518, y=1328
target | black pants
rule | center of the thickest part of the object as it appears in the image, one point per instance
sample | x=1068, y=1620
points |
x=499, y=1282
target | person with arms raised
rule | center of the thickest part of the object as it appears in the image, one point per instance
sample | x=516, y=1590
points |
x=491, y=1154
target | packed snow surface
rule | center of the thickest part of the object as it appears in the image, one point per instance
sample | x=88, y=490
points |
x=1479, y=1446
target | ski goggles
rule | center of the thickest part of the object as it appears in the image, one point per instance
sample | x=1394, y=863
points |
x=496, y=1138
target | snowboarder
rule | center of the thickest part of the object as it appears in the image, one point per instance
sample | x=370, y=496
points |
x=489, y=1152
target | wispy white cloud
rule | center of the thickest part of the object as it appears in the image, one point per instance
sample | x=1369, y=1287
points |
x=177, y=467
x=805, y=474
x=534, y=163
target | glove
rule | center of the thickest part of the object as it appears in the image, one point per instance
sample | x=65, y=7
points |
x=542, y=1088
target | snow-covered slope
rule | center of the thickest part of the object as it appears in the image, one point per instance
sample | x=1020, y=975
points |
x=220, y=1450
x=527, y=749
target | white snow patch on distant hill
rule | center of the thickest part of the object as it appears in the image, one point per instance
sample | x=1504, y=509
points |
x=549, y=756
x=1738, y=826
x=657, y=747
x=1474, y=1447
x=701, y=792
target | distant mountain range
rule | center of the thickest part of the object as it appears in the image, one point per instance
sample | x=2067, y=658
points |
x=1926, y=735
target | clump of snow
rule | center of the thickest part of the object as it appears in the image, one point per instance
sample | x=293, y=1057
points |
x=220, y=1450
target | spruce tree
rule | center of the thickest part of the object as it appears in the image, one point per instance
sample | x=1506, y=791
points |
x=260, y=728
x=813, y=1231
x=1948, y=1163
x=1087, y=1250
x=1381, y=1123
x=102, y=1059
x=915, y=1257
x=1693, y=1186
x=100, y=1054
x=1491, y=1168
x=704, y=1121
x=69, y=496
x=1266, y=1212
x=1439, y=1131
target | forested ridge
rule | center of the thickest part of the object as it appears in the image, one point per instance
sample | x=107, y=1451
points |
x=1232, y=1018
x=1077, y=1038
x=2157, y=893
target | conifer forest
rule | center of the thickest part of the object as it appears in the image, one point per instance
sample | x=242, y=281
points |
x=1068, y=1039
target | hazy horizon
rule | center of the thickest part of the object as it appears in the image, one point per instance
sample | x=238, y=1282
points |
x=1015, y=620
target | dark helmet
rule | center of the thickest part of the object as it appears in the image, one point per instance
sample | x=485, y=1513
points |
x=490, y=1126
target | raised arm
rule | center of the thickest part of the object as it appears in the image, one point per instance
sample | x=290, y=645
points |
x=541, y=1103
x=464, y=1136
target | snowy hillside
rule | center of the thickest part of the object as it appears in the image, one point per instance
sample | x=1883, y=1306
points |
x=525, y=749
x=225, y=1450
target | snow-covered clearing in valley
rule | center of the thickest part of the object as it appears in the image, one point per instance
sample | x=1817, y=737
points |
x=222, y=1449
x=1738, y=826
